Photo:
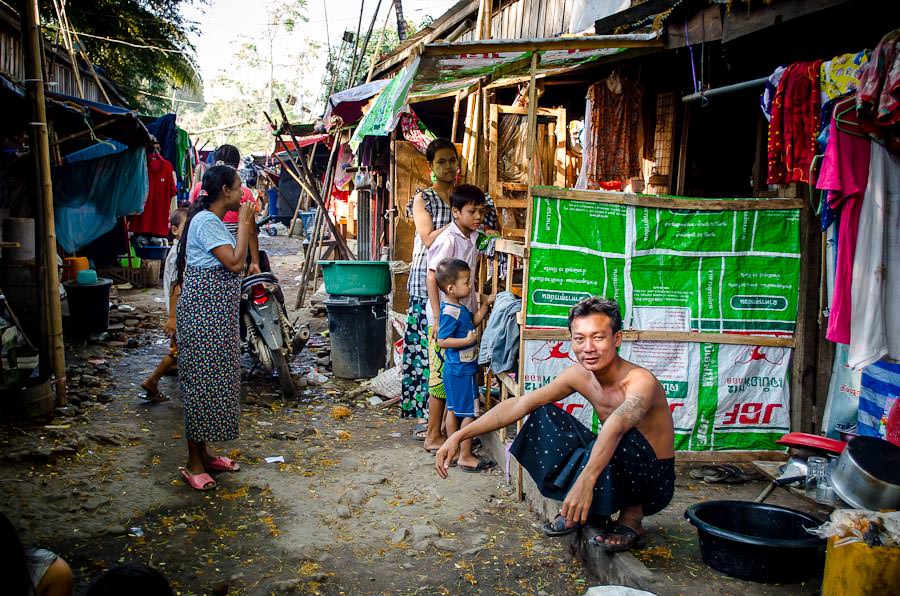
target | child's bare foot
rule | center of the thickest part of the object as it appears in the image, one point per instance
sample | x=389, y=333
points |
x=432, y=445
x=469, y=462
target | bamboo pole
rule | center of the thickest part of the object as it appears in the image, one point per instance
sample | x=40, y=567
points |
x=308, y=181
x=455, y=118
x=53, y=355
x=380, y=42
x=60, y=9
x=532, y=133
x=362, y=52
x=315, y=243
x=343, y=249
x=303, y=194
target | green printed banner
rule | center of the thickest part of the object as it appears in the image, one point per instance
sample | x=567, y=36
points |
x=677, y=270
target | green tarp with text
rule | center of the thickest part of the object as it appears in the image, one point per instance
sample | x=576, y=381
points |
x=676, y=270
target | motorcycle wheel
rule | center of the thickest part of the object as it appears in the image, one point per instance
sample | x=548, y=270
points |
x=284, y=374
x=264, y=355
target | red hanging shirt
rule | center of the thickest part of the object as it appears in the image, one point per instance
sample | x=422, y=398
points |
x=155, y=218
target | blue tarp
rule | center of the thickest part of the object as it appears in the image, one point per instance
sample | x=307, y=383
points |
x=101, y=149
x=880, y=387
x=89, y=196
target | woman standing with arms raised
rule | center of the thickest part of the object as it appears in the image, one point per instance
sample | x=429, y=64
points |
x=210, y=261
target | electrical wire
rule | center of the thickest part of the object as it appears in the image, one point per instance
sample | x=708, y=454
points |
x=127, y=43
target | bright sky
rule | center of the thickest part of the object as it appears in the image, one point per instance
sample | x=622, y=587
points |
x=222, y=20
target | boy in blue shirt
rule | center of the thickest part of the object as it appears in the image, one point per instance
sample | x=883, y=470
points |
x=456, y=336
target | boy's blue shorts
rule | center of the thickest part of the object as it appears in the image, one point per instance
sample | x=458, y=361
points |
x=461, y=392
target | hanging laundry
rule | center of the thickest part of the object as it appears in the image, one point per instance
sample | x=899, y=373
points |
x=768, y=94
x=342, y=177
x=875, y=322
x=613, y=148
x=166, y=133
x=415, y=131
x=154, y=220
x=500, y=342
x=878, y=96
x=841, y=74
x=794, y=125
x=844, y=172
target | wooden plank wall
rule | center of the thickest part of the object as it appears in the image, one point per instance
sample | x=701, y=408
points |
x=62, y=79
x=528, y=19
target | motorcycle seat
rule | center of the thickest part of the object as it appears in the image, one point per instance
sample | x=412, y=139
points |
x=259, y=277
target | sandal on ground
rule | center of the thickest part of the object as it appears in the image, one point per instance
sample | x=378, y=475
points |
x=630, y=538
x=724, y=473
x=222, y=464
x=154, y=396
x=198, y=481
x=483, y=465
x=557, y=527
x=420, y=431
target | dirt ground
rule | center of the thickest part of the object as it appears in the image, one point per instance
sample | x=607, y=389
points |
x=355, y=508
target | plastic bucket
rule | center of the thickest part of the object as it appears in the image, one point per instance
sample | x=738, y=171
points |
x=308, y=218
x=88, y=306
x=72, y=265
x=860, y=569
x=757, y=541
x=28, y=400
x=358, y=329
x=357, y=278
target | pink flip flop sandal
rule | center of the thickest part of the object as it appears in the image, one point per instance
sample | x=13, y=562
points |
x=198, y=481
x=222, y=464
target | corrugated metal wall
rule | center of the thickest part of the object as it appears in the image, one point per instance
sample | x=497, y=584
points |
x=522, y=19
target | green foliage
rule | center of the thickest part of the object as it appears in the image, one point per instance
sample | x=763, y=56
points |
x=157, y=23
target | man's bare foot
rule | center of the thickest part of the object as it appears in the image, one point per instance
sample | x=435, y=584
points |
x=621, y=536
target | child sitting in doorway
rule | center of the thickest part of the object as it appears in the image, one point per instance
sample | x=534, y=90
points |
x=456, y=336
x=171, y=292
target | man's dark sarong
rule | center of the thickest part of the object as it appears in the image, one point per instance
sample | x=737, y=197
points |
x=554, y=447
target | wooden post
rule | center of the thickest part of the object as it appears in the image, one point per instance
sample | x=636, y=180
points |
x=532, y=132
x=455, y=118
x=53, y=355
x=804, y=362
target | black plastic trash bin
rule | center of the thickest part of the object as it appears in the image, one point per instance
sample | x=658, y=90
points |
x=88, y=306
x=358, y=329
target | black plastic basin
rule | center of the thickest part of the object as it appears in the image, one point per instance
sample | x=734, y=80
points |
x=757, y=542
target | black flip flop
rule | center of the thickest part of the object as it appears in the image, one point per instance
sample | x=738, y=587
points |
x=483, y=465
x=420, y=431
x=557, y=527
x=631, y=538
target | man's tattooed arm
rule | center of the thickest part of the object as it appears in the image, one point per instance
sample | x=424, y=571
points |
x=633, y=409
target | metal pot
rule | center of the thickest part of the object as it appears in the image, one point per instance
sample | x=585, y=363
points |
x=867, y=474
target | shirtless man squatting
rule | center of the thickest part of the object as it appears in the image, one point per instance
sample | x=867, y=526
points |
x=629, y=467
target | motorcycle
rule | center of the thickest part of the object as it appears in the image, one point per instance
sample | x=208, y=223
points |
x=266, y=332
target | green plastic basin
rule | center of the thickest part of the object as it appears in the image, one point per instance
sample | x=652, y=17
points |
x=357, y=278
